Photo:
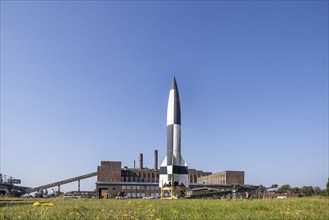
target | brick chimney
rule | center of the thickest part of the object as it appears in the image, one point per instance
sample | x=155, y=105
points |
x=141, y=161
x=155, y=159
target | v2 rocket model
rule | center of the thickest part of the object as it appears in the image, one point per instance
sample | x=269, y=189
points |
x=173, y=170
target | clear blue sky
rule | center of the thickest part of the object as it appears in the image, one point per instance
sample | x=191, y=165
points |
x=85, y=81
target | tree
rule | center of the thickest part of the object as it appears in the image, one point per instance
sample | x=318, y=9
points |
x=296, y=190
x=327, y=189
x=284, y=188
x=317, y=191
x=323, y=192
x=307, y=191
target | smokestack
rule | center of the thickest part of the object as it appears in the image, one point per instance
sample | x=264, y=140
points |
x=156, y=159
x=141, y=161
x=134, y=164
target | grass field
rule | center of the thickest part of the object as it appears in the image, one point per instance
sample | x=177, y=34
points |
x=57, y=208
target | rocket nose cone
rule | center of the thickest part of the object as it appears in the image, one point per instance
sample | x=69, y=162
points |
x=174, y=84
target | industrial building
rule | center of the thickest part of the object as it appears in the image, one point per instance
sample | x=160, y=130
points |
x=224, y=177
x=141, y=182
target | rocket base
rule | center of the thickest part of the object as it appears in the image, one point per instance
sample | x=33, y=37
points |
x=175, y=192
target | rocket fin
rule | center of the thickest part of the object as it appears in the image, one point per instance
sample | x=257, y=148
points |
x=182, y=162
x=164, y=163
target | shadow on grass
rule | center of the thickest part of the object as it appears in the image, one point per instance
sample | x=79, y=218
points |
x=14, y=203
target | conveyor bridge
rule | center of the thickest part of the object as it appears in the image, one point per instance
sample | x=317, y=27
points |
x=59, y=183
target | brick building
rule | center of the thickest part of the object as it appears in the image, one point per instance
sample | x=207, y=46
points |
x=224, y=177
x=144, y=182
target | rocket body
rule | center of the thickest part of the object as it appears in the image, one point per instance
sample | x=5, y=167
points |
x=173, y=170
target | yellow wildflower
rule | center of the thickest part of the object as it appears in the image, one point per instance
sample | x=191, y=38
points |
x=49, y=204
x=36, y=204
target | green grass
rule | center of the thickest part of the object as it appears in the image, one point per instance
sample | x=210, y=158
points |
x=294, y=208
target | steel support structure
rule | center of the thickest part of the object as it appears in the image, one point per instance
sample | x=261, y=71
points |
x=175, y=192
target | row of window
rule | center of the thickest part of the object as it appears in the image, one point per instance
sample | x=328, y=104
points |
x=215, y=176
x=138, y=174
x=138, y=179
x=141, y=187
x=129, y=173
x=141, y=195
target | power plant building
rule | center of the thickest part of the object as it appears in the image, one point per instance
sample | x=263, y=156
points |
x=142, y=182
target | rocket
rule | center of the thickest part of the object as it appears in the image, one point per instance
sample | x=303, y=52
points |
x=173, y=170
